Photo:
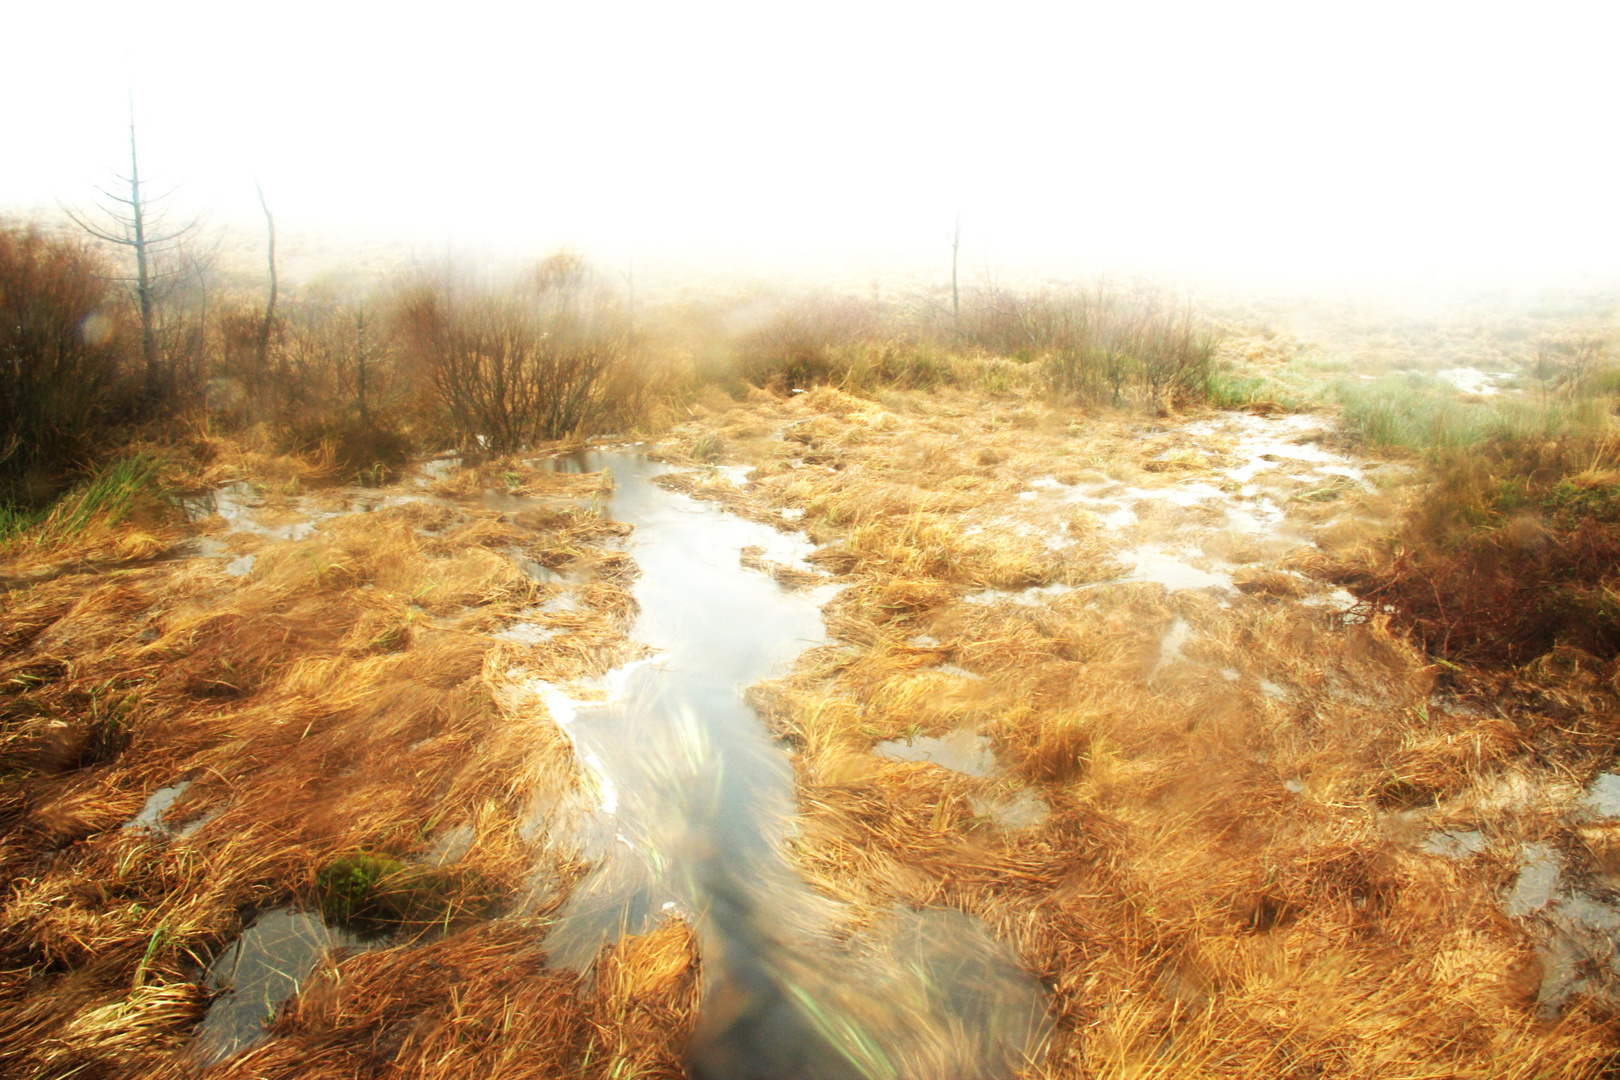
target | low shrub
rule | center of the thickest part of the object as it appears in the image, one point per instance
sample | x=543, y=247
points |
x=1514, y=552
x=60, y=355
x=370, y=449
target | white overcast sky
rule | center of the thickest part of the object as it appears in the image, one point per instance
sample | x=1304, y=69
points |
x=1313, y=139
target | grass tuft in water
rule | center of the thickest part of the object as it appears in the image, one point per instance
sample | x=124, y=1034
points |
x=374, y=893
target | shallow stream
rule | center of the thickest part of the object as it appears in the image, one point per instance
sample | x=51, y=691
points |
x=692, y=810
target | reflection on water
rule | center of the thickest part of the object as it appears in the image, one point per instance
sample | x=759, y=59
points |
x=157, y=805
x=694, y=805
x=962, y=751
x=923, y=994
x=262, y=969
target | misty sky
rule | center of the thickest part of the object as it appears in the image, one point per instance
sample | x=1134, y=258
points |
x=1337, y=139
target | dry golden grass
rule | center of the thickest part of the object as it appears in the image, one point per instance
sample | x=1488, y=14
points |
x=1225, y=884
x=343, y=696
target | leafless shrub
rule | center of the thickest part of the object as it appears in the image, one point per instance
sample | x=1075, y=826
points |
x=507, y=370
x=1096, y=343
x=59, y=358
x=804, y=341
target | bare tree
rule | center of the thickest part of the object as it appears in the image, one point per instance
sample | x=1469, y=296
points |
x=956, y=292
x=136, y=221
x=263, y=357
x=365, y=352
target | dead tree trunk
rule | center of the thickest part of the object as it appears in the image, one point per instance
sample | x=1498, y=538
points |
x=263, y=368
x=134, y=224
x=956, y=292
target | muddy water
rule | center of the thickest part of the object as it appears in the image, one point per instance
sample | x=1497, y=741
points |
x=692, y=805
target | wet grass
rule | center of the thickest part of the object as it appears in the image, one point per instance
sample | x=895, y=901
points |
x=1411, y=412
x=1218, y=859
x=119, y=506
x=335, y=710
x=1220, y=886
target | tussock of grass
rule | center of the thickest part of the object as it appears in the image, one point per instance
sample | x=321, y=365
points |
x=1512, y=553
x=1411, y=412
x=334, y=711
x=96, y=516
x=1220, y=887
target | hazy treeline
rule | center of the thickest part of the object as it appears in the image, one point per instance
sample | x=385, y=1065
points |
x=433, y=358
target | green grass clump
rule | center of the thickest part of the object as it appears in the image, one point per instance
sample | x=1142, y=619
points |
x=111, y=497
x=128, y=488
x=14, y=521
x=707, y=447
x=351, y=887
x=375, y=893
x=1228, y=389
x=1411, y=412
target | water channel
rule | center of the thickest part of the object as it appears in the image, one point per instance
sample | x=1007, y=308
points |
x=692, y=807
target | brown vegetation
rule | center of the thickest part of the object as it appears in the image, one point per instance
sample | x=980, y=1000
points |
x=343, y=700
x=1513, y=552
x=59, y=350
x=1228, y=882
x=1204, y=834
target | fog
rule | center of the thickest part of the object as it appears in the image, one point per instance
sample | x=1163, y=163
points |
x=1390, y=144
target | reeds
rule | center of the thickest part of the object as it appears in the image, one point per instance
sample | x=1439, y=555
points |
x=124, y=511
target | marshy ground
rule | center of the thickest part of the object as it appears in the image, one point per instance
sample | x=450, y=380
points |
x=1089, y=679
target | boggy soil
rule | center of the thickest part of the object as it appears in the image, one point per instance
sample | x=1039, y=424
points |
x=1236, y=824
x=1215, y=805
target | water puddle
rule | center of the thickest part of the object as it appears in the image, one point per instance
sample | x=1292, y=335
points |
x=692, y=806
x=1474, y=381
x=158, y=804
x=1337, y=599
x=1174, y=574
x=1020, y=810
x=437, y=469
x=1150, y=564
x=526, y=633
x=262, y=969
x=1539, y=870
x=243, y=507
x=449, y=846
x=250, y=510
x=959, y=751
x=1028, y=597
x=1603, y=797
x=1261, y=517
x=1171, y=647
x=1578, y=953
x=1454, y=843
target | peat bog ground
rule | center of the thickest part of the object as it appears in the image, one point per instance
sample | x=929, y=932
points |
x=299, y=781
